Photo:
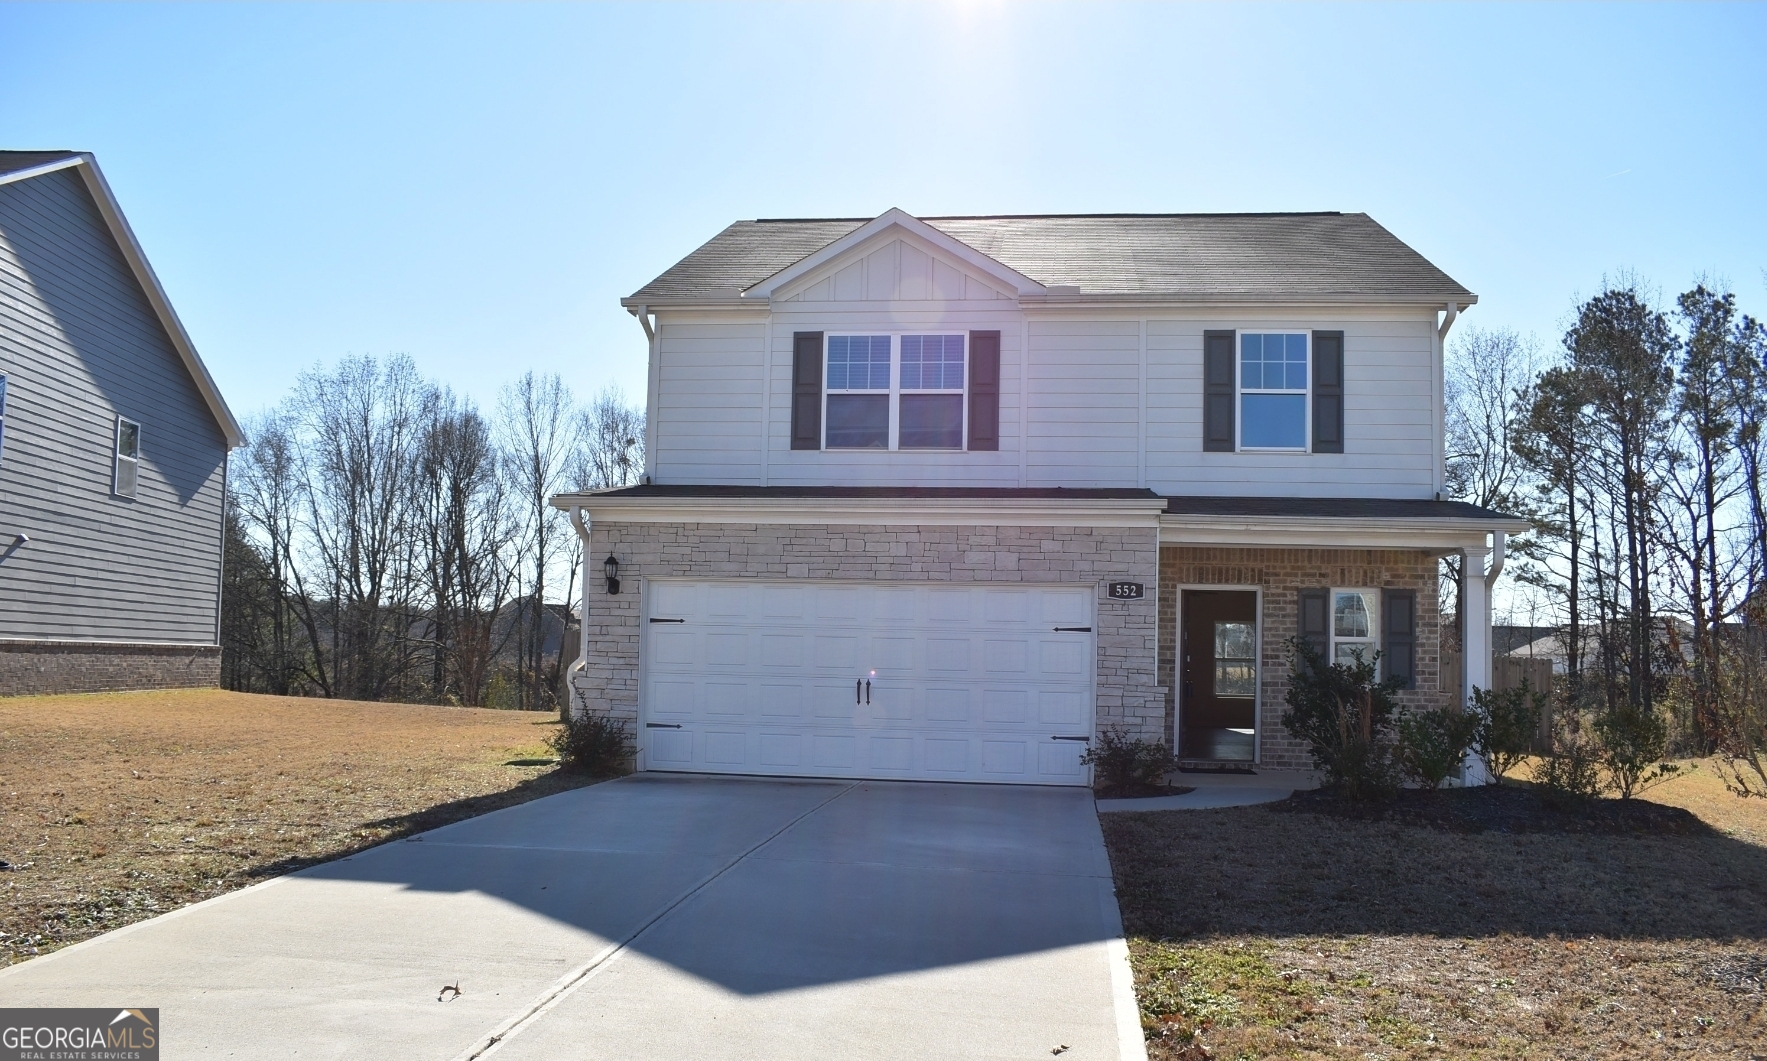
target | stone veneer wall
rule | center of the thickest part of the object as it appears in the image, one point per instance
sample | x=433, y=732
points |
x=1283, y=573
x=28, y=667
x=1128, y=693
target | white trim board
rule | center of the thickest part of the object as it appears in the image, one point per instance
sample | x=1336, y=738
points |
x=891, y=511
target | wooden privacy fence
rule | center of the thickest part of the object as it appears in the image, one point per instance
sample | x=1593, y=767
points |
x=1508, y=672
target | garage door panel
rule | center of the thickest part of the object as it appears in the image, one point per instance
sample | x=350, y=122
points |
x=726, y=649
x=1002, y=757
x=1060, y=761
x=728, y=748
x=966, y=682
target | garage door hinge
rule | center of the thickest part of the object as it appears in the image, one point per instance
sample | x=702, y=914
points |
x=1059, y=629
x=656, y=620
x=662, y=725
x=1087, y=739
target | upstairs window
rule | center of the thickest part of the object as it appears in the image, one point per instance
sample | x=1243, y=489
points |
x=895, y=392
x=1273, y=390
x=128, y=458
x=932, y=392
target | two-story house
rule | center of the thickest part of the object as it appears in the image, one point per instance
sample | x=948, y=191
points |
x=948, y=497
x=113, y=449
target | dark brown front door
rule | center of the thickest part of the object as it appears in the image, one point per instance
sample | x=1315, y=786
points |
x=1218, y=675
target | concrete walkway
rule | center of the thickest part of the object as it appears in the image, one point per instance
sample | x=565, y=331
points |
x=655, y=918
x=1221, y=790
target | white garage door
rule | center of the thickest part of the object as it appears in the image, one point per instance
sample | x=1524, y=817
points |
x=948, y=682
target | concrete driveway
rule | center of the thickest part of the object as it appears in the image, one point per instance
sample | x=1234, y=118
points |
x=655, y=917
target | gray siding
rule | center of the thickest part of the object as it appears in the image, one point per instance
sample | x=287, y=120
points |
x=81, y=345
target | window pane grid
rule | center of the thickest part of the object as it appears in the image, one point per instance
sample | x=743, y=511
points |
x=858, y=362
x=932, y=362
x=1273, y=362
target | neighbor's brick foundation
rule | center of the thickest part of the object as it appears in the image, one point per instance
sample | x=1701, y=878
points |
x=1128, y=693
x=30, y=667
x=1282, y=574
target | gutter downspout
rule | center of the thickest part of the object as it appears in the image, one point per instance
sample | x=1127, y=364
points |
x=1498, y=538
x=581, y=523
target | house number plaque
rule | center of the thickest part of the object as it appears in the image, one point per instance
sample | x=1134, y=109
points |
x=1125, y=591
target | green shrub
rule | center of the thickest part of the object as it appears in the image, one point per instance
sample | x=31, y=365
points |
x=1433, y=743
x=1344, y=716
x=1120, y=761
x=595, y=744
x=1572, y=773
x=1507, y=722
x=1633, y=743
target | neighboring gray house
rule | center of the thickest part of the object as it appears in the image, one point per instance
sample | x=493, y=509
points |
x=113, y=449
x=948, y=497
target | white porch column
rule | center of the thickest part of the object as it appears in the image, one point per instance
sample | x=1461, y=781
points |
x=1475, y=647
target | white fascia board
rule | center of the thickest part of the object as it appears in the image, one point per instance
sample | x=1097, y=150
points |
x=156, y=295
x=1319, y=532
x=1021, y=285
x=1229, y=299
x=869, y=511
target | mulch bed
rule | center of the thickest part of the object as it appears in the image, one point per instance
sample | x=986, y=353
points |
x=1507, y=808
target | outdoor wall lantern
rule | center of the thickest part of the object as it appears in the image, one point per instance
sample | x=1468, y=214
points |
x=611, y=568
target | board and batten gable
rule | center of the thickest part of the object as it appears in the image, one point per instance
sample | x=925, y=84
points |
x=81, y=344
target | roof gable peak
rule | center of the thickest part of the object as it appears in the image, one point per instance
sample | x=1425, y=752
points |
x=1011, y=280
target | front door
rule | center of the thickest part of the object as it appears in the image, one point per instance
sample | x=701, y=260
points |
x=1218, y=663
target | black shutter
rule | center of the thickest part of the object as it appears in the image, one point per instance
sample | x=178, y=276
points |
x=806, y=390
x=1314, y=621
x=984, y=390
x=1328, y=392
x=1218, y=434
x=1399, y=649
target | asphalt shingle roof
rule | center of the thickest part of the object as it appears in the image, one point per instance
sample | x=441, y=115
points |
x=1329, y=255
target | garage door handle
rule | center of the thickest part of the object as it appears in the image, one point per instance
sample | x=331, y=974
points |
x=868, y=692
x=655, y=620
x=1059, y=629
x=858, y=683
x=662, y=725
x=1086, y=739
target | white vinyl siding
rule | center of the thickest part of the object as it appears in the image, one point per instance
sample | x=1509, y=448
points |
x=708, y=413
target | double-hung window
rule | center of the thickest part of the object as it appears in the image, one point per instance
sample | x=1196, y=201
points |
x=128, y=458
x=859, y=378
x=1355, y=626
x=895, y=391
x=1273, y=390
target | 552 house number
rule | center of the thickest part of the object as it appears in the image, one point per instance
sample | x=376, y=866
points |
x=1126, y=591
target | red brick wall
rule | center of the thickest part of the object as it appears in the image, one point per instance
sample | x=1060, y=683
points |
x=1282, y=574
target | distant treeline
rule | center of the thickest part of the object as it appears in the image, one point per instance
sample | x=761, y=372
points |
x=386, y=540
x=1636, y=447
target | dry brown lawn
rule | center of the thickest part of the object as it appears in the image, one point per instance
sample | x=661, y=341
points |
x=1259, y=932
x=117, y=807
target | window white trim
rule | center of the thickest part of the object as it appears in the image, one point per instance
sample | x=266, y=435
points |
x=1239, y=392
x=125, y=467
x=1372, y=599
x=896, y=390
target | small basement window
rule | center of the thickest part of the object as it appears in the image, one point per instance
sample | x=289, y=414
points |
x=128, y=458
x=1273, y=390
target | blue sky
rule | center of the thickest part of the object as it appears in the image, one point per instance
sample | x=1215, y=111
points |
x=477, y=186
